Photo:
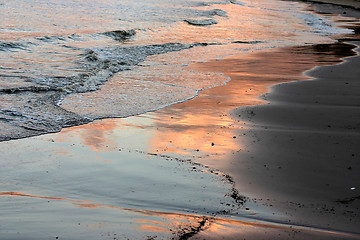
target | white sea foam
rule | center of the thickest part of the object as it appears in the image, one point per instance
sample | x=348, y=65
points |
x=84, y=47
x=323, y=26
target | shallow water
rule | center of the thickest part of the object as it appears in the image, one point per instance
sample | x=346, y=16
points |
x=115, y=179
x=57, y=69
x=103, y=180
x=140, y=177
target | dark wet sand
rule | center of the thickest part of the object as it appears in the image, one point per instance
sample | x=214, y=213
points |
x=295, y=154
x=301, y=157
x=296, y=158
x=345, y=3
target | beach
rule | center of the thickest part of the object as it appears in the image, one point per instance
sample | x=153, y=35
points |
x=285, y=150
x=346, y=3
x=322, y=142
x=266, y=149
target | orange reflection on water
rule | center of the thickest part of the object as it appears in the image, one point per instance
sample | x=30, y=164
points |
x=98, y=132
x=249, y=23
x=223, y=228
x=148, y=226
x=164, y=222
x=18, y=194
x=189, y=133
x=203, y=124
x=167, y=222
x=98, y=136
x=206, y=227
x=180, y=224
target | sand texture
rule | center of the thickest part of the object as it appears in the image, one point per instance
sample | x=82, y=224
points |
x=296, y=155
x=346, y=3
x=273, y=154
x=306, y=146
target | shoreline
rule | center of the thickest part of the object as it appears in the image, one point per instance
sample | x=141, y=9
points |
x=323, y=210
x=240, y=160
x=67, y=116
x=317, y=188
x=343, y=3
x=239, y=146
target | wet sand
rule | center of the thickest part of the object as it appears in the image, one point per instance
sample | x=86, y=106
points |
x=294, y=156
x=198, y=170
x=301, y=154
x=345, y=3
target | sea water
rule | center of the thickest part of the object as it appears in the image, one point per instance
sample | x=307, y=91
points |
x=65, y=63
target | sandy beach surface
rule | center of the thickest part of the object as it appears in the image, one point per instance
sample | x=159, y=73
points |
x=300, y=156
x=294, y=154
x=273, y=154
x=344, y=3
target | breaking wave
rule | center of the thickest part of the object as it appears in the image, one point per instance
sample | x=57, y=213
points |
x=4, y=46
x=82, y=65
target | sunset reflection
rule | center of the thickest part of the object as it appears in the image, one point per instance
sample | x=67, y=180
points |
x=18, y=194
x=180, y=224
x=157, y=221
x=152, y=221
x=98, y=136
x=204, y=125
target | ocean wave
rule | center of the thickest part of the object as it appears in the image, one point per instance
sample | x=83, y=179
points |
x=207, y=17
x=200, y=22
x=51, y=38
x=120, y=35
x=34, y=106
x=248, y=42
x=237, y=2
x=217, y=12
x=322, y=26
x=4, y=46
x=30, y=114
x=102, y=63
x=71, y=59
x=31, y=88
